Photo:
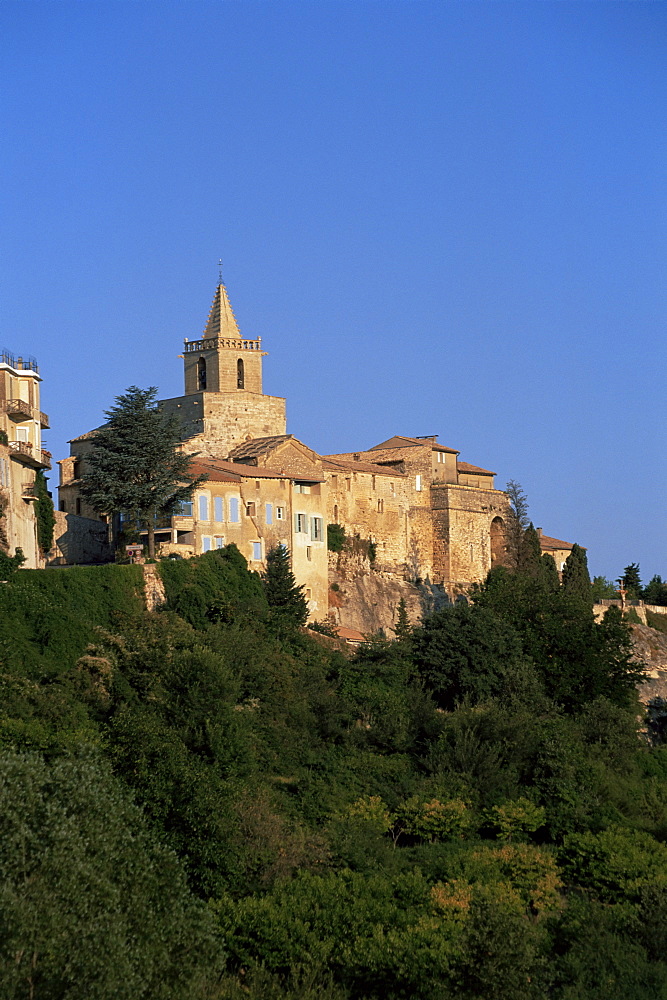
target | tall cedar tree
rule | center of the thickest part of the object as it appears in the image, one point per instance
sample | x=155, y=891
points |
x=134, y=466
x=576, y=580
x=516, y=521
x=282, y=592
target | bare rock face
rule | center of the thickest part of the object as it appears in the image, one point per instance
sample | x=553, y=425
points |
x=651, y=648
x=364, y=598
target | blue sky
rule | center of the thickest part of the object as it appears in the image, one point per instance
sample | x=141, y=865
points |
x=440, y=217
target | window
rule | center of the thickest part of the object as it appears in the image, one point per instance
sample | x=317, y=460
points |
x=392, y=489
x=257, y=551
x=300, y=523
x=380, y=506
x=250, y=509
x=348, y=485
x=309, y=553
x=218, y=509
x=201, y=374
x=219, y=542
x=269, y=513
x=301, y=488
x=206, y=543
x=418, y=483
x=186, y=509
x=316, y=529
x=257, y=484
x=78, y=505
x=372, y=482
x=283, y=484
x=240, y=374
x=280, y=513
x=203, y=508
x=234, y=510
x=334, y=482
x=335, y=513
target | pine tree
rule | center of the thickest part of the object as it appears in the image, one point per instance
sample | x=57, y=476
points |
x=576, y=580
x=632, y=581
x=135, y=466
x=283, y=593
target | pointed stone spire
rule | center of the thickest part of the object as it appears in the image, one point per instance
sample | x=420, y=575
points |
x=221, y=320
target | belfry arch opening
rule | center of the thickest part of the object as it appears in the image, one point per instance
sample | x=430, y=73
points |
x=497, y=533
x=201, y=374
x=240, y=374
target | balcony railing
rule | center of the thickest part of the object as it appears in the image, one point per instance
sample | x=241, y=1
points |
x=28, y=491
x=25, y=452
x=23, y=449
x=18, y=409
x=212, y=343
x=44, y=421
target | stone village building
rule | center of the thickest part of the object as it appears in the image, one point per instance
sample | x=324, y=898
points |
x=431, y=516
x=21, y=455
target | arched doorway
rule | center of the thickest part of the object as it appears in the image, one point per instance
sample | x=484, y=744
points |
x=497, y=533
x=240, y=374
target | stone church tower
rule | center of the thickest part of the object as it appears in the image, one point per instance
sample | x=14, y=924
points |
x=224, y=405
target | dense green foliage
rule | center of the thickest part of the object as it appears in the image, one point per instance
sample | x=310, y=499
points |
x=135, y=467
x=44, y=514
x=214, y=805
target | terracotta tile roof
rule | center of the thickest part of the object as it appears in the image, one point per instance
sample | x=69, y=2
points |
x=466, y=467
x=235, y=471
x=259, y=446
x=333, y=463
x=350, y=634
x=87, y=436
x=401, y=441
x=547, y=542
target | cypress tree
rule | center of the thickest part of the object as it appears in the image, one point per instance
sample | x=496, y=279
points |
x=402, y=628
x=283, y=593
x=530, y=553
x=549, y=573
x=576, y=580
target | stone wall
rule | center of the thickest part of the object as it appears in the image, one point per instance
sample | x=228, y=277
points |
x=214, y=423
x=79, y=540
x=462, y=518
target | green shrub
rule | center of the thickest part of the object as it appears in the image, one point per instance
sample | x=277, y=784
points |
x=335, y=537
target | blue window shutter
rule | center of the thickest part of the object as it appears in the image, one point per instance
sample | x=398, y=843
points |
x=207, y=543
x=233, y=509
x=269, y=513
x=218, y=509
x=203, y=508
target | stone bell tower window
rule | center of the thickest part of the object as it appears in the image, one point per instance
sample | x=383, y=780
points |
x=201, y=374
x=240, y=374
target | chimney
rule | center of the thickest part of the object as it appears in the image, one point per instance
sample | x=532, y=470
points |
x=539, y=532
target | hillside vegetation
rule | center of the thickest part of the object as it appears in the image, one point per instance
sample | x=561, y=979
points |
x=204, y=802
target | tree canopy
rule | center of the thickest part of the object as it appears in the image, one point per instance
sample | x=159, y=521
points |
x=135, y=466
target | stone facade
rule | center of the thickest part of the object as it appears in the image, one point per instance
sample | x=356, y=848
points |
x=21, y=455
x=437, y=523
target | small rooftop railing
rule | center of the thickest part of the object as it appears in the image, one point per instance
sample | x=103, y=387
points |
x=18, y=363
